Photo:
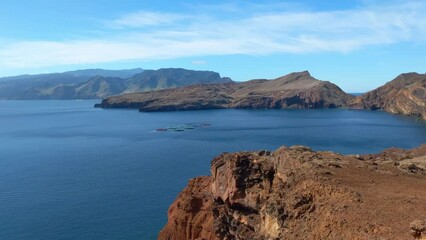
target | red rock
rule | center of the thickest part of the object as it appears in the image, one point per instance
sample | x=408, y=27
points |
x=297, y=193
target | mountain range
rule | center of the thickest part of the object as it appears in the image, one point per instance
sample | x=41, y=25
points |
x=99, y=83
x=171, y=89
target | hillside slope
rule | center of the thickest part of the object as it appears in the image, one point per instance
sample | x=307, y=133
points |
x=295, y=90
x=405, y=95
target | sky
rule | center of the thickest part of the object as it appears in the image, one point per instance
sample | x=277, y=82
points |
x=356, y=44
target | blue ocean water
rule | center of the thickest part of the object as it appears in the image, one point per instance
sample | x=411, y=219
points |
x=69, y=171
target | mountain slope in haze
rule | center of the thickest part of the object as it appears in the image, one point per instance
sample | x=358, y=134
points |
x=70, y=76
x=405, y=95
x=124, y=73
x=172, y=77
x=96, y=87
x=99, y=83
x=295, y=90
x=40, y=86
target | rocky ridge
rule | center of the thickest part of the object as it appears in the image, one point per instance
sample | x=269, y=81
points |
x=295, y=90
x=297, y=193
x=405, y=95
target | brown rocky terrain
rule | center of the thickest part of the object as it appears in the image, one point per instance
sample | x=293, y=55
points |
x=295, y=90
x=297, y=193
x=405, y=95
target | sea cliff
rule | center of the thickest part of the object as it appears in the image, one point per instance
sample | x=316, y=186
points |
x=405, y=95
x=297, y=193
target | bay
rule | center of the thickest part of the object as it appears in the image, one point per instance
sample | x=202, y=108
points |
x=70, y=171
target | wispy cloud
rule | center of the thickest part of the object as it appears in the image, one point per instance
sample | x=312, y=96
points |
x=144, y=19
x=253, y=33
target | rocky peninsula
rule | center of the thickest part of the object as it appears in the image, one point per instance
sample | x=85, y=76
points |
x=405, y=95
x=295, y=91
x=297, y=193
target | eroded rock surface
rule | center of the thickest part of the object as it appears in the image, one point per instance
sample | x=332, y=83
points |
x=404, y=95
x=297, y=193
x=418, y=229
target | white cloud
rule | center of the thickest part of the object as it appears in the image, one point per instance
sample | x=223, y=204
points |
x=144, y=19
x=254, y=33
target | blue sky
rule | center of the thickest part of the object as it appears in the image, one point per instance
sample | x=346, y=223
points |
x=357, y=44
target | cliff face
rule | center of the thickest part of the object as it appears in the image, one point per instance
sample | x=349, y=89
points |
x=404, y=95
x=296, y=90
x=296, y=193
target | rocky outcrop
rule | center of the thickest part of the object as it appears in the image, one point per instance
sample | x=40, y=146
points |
x=404, y=95
x=297, y=193
x=296, y=90
x=418, y=229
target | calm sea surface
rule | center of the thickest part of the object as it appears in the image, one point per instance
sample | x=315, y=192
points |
x=69, y=171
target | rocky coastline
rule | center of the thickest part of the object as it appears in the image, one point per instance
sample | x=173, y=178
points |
x=297, y=193
x=404, y=95
x=293, y=91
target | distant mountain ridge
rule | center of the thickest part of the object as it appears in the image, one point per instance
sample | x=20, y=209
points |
x=100, y=83
x=172, y=77
x=125, y=73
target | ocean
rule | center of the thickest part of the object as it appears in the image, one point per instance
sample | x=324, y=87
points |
x=70, y=171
